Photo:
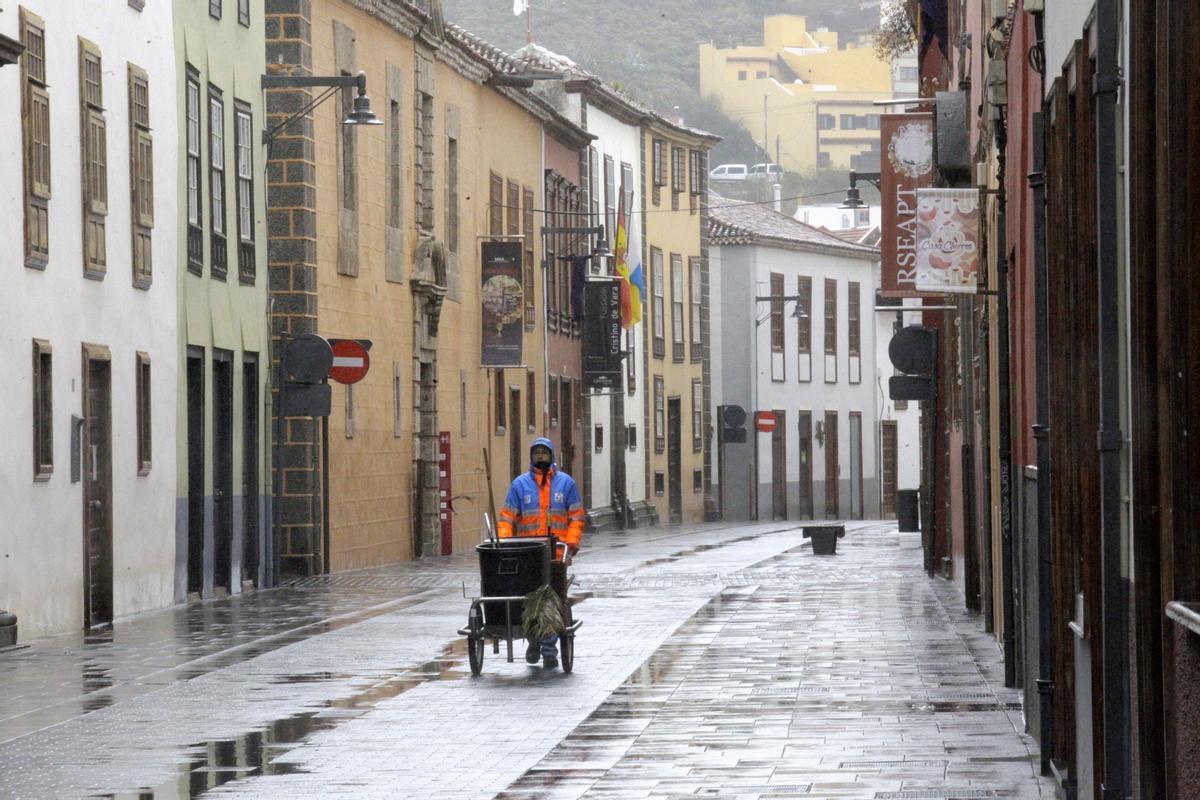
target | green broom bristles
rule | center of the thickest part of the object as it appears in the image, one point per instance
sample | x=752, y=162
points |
x=542, y=615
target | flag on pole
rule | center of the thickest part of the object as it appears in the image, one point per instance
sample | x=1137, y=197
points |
x=519, y=7
x=632, y=282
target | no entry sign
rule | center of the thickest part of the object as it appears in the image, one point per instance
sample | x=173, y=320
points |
x=350, y=361
x=764, y=421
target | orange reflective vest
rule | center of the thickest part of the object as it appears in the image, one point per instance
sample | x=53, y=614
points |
x=543, y=508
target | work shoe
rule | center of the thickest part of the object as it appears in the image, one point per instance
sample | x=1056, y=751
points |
x=549, y=662
x=533, y=652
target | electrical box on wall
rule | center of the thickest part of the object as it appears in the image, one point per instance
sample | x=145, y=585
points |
x=1035, y=6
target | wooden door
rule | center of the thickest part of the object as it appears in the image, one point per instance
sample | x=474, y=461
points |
x=831, y=465
x=674, y=460
x=222, y=469
x=195, y=477
x=779, y=508
x=97, y=487
x=856, y=466
x=518, y=461
x=566, y=445
x=250, y=484
x=889, y=447
x=805, y=455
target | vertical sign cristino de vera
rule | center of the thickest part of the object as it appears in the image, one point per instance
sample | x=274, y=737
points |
x=503, y=304
x=906, y=166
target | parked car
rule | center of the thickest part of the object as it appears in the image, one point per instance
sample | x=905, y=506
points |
x=728, y=172
x=766, y=171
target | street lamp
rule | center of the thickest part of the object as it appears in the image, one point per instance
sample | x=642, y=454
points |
x=852, y=197
x=361, y=114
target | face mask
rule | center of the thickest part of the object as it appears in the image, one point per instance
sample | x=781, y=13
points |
x=541, y=466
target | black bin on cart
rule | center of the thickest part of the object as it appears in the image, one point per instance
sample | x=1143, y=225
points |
x=511, y=568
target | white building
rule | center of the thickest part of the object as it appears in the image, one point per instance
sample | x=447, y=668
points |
x=614, y=471
x=814, y=365
x=88, y=321
x=835, y=218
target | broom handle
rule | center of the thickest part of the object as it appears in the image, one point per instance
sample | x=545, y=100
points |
x=487, y=467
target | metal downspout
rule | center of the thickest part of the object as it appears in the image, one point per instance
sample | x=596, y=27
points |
x=1109, y=440
x=1041, y=435
x=1005, y=422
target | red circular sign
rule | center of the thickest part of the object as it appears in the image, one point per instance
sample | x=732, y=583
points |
x=350, y=361
x=764, y=421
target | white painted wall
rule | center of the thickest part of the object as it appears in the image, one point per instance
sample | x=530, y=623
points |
x=908, y=421
x=41, y=523
x=835, y=218
x=752, y=382
x=621, y=141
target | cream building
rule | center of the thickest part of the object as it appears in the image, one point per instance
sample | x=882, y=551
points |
x=376, y=234
x=802, y=94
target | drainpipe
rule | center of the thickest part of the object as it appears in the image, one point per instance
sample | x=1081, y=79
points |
x=1003, y=400
x=1041, y=435
x=1114, y=612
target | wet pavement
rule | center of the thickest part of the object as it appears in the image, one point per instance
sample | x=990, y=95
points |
x=714, y=661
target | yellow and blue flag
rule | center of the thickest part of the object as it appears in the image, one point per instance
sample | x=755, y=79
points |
x=633, y=283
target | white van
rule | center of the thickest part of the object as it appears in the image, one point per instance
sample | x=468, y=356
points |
x=728, y=172
x=773, y=171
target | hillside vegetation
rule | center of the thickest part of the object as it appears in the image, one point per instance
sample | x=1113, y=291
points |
x=648, y=48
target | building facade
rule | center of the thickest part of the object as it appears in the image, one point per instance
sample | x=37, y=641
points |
x=676, y=353
x=807, y=100
x=223, y=387
x=90, y=321
x=780, y=287
x=379, y=232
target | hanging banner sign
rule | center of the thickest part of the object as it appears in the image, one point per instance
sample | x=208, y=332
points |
x=503, y=304
x=602, y=334
x=906, y=165
x=948, y=241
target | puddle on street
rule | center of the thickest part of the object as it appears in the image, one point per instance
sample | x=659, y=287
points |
x=215, y=763
x=691, y=551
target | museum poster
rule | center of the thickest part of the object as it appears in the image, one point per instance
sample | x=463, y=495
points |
x=503, y=304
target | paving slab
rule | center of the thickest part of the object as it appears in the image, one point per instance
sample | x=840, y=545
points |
x=714, y=661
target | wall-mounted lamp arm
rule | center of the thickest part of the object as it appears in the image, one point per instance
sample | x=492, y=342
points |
x=361, y=115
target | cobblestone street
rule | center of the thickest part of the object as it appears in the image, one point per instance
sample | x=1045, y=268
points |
x=714, y=661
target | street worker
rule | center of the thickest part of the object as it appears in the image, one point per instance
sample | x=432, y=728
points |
x=544, y=502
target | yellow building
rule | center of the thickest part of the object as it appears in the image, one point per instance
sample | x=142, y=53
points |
x=806, y=99
x=675, y=257
x=376, y=235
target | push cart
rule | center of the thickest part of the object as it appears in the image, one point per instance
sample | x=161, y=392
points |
x=509, y=569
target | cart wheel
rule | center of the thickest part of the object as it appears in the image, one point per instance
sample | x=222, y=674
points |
x=475, y=654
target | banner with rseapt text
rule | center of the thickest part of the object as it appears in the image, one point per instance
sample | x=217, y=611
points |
x=905, y=165
x=502, y=299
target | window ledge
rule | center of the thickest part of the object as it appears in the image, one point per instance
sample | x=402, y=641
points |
x=1186, y=615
